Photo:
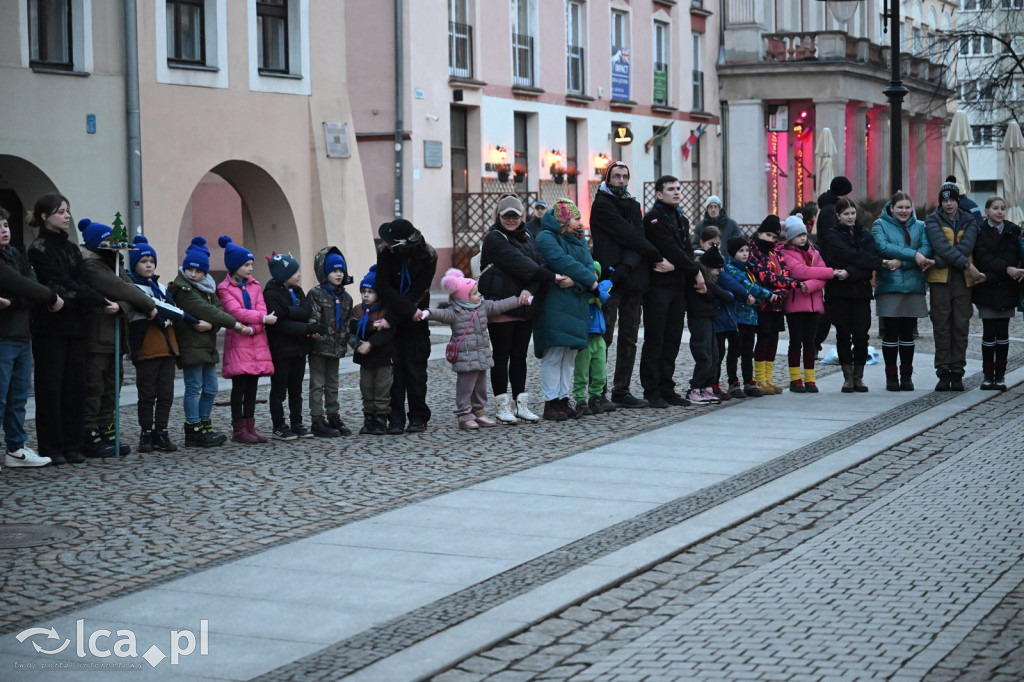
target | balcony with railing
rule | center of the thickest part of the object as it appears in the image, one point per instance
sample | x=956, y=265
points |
x=837, y=46
x=460, y=50
x=522, y=61
x=574, y=83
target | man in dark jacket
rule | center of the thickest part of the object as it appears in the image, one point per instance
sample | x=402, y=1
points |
x=715, y=216
x=626, y=258
x=19, y=290
x=837, y=189
x=533, y=224
x=406, y=264
x=665, y=300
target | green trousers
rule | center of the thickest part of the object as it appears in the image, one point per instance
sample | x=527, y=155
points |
x=592, y=368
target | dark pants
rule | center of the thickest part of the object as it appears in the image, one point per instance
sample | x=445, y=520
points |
x=664, y=310
x=412, y=351
x=243, y=396
x=59, y=380
x=852, y=320
x=623, y=306
x=824, y=327
x=287, y=380
x=741, y=352
x=995, y=345
x=767, y=344
x=951, y=311
x=100, y=391
x=154, y=380
x=510, y=342
x=803, y=328
x=704, y=348
x=375, y=388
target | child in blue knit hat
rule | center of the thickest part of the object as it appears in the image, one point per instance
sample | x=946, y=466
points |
x=332, y=308
x=154, y=348
x=374, y=342
x=195, y=292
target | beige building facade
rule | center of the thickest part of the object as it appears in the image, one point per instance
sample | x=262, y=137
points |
x=233, y=101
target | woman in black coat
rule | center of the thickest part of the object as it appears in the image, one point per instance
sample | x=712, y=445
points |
x=997, y=256
x=511, y=263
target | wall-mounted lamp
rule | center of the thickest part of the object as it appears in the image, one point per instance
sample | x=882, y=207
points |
x=499, y=163
x=555, y=166
x=601, y=162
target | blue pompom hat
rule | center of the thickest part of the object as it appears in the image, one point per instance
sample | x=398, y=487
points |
x=197, y=255
x=282, y=266
x=142, y=248
x=370, y=281
x=93, y=234
x=334, y=262
x=234, y=256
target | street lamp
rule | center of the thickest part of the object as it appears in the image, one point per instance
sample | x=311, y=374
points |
x=843, y=11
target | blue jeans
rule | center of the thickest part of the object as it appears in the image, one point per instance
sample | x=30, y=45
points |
x=200, y=391
x=15, y=382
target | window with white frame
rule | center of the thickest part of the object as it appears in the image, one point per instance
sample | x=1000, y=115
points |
x=192, y=42
x=1011, y=4
x=460, y=40
x=982, y=136
x=272, y=35
x=50, y=35
x=575, y=36
x=698, y=74
x=58, y=35
x=279, y=46
x=661, y=52
x=522, y=43
x=186, y=32
x=976, y=45
x=975, y=5
x=917, y=38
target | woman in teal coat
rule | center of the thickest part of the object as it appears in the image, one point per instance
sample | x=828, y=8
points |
x=899, y=292
x=560, y=329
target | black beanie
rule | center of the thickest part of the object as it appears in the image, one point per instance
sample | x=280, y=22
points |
x=840, y=186
x=399, y=232
x=735, y=244
x=771, y=224
x=949, y=190
x=712, y=258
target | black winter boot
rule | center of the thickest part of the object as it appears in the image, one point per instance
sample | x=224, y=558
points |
x=212, y=437
x=162, y=441
x=110, y=435
x=96, y=445
x=321, y=429
x=335, y=422
x=146, y=441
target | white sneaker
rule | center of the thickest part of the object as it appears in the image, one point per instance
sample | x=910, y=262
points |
x=709, y=396
x=25, y=457
x=522, y=407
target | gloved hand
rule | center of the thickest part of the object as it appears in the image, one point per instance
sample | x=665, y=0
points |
x=315, y=328
x=604, y=288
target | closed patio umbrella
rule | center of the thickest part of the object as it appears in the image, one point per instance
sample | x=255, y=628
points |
x=824, y=153
x=958, y=138
x=1013, y=173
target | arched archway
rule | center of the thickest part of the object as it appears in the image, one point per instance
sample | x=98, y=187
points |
x=243, y=201
x=21, y=184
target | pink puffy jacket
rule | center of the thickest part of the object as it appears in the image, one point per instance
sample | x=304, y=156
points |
x=814, y=276
x=245, y=354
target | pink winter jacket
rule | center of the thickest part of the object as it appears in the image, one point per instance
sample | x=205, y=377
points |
x=814, y=276
x=245, y=354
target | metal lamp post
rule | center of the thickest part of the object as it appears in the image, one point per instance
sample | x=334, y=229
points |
x=843, y=11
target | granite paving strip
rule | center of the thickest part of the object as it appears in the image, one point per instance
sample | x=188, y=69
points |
x=588, y=633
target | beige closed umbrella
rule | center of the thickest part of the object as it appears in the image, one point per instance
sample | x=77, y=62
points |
x=958, y=138
x=824, y=154
x=1013, y=173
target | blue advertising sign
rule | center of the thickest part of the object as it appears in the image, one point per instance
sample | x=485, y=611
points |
x=620, y=73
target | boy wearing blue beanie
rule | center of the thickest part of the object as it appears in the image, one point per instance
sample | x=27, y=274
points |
x=195, y=292
x=374, y=343
x=290, y=341
x=332, y=308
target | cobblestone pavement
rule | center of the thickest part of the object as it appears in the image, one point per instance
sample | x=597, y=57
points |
x=913, y=560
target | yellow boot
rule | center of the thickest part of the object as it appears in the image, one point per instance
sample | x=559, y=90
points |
x=759, y=377
x=769, y=369
x=809, y=382
x=796, y=382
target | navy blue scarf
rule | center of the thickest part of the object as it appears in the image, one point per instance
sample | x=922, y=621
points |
x=240, y=283
x=337, y=304
x=364, y=321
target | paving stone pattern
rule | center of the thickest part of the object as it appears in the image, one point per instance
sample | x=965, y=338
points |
x=856, y=599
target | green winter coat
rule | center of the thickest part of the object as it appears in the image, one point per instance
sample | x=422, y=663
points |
x=891, y=242
x=564, y=316
x=326, y=300
x=199, y=300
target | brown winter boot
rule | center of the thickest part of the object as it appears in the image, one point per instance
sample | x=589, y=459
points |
x=848, y=379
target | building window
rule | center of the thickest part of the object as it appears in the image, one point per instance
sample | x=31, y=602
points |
x=917, y=38
x=982, y=136
x=186, y=32
x=460, y=40
x=50, y=35
x=698, y=74
x=974, y=5
x=661, y=43
x=620, y=56
x=460, y=150
x=975, y=46
x=272, y=35
x=522, y=44
x=574, y=52
x=1011, y=4
x=521, y=157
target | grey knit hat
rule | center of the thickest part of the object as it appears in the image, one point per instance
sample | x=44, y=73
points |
x=794, y=227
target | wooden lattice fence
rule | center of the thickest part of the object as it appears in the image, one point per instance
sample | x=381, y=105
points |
x=695, y=193
x=473, y=213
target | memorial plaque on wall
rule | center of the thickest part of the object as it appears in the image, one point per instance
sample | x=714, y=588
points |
x=337, y=140
x=433, y=154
